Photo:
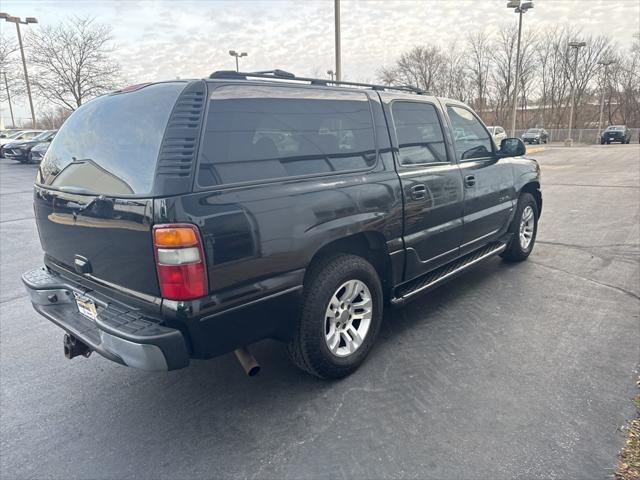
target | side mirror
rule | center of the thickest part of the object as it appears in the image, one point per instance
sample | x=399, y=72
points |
x=511, y=147
x=3, y=136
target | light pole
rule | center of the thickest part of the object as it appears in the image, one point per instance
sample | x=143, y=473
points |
x=18, y=21
x=336, y=14
x=233, y=53
x=576, y=46
x=6, y=85
x=604, y=63
x=520, y=8
x=331, y=73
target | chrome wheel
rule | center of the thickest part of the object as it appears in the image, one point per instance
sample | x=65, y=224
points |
x=527, y=226
x=348, y=318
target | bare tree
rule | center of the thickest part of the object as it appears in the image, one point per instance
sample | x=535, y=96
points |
x=10, y=66
x=72, y=61
x=478, y=62
x=53, y=118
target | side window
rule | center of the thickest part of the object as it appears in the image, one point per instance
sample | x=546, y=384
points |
x=470, y=137
x=420, y=138
x=260, y=133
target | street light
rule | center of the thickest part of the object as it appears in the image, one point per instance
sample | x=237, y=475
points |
x=336, y=18
x=331, y=73
x=577, y=46
x=26, y=21
x=605, y=63
x=6, y=85
x=520, y=8
x=233, y=53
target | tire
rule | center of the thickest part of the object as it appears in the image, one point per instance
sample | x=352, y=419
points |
x=516, y=251
x=309, y=347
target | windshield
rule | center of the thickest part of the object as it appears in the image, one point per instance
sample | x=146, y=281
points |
x=615, y=127
x=492, y=130
x=111, y=144
x=15, y=134
x=533, y=130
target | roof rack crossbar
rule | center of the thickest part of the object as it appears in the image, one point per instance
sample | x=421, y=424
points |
x=284, y=75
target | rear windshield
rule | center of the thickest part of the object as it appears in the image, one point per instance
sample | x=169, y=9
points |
x=110, y=145
x=533, y=130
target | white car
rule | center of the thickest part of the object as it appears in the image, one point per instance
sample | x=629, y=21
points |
x=20, y=135
x=498, y=134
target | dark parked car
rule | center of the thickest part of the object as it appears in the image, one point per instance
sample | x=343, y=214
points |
x=535, y=135
x=187, y=219
x=19, y=150
x=37, y=153
x=615, y=133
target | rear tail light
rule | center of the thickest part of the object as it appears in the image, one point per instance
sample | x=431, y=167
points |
x=182, y=271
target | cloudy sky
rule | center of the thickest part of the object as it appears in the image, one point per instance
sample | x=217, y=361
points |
x=158, y=40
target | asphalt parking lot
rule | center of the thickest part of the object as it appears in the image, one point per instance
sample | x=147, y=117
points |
x=510, y=371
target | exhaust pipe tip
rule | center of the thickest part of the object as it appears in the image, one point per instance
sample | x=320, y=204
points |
x=247, y=361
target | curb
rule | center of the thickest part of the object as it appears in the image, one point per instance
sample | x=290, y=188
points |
x=535, y=150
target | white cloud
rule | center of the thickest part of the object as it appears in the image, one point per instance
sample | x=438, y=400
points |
x=164, y=39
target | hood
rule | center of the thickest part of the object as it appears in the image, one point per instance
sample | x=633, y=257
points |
x=41, y=146
x=28, y=144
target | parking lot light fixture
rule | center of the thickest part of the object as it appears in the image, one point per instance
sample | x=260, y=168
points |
x=233, y=53
x=17, y=20
x=520, y=8
x=576, y=46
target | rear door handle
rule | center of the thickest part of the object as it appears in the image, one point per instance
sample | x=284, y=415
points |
x=470, y=180
x=418, y=192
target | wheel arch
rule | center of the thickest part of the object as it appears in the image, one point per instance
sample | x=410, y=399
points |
x=370, y=245
x=533, y=187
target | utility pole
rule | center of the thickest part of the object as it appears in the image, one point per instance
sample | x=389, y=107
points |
x=606, y=64
x=18, y=21
x=520, y=8
x=576, y=46
x=336, y=14
x=6, y=85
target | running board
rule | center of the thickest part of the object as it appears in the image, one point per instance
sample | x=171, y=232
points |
x=432, y=279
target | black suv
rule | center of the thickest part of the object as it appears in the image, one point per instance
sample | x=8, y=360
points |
x=615, y=133
x=535, y=135
x=244, y=207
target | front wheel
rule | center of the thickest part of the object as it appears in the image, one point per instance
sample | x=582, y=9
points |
x=340, y=318
x=524, y=228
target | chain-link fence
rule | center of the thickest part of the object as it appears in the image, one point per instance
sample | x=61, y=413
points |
x=580, y=135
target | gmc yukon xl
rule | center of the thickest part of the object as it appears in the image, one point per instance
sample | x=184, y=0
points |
x=186, y=219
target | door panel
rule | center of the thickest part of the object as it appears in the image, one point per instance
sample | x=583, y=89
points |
x=489, y=193
x=431, y=185
x=488, y=203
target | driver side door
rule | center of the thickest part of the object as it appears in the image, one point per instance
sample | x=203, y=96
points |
x=489, y=191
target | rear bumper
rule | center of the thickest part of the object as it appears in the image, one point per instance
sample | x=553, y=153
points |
x=119, y=333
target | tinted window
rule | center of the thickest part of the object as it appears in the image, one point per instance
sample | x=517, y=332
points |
x=419, y=132
x=110, y=145
x=261, y=133
x=471, y=138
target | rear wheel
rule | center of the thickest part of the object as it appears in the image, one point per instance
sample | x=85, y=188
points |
x=340, y=318
x=524, y=228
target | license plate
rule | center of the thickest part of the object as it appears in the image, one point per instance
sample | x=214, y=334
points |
x=86, y=307
x=612, y=138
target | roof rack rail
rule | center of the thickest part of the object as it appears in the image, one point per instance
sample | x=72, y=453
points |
x=284, y=75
